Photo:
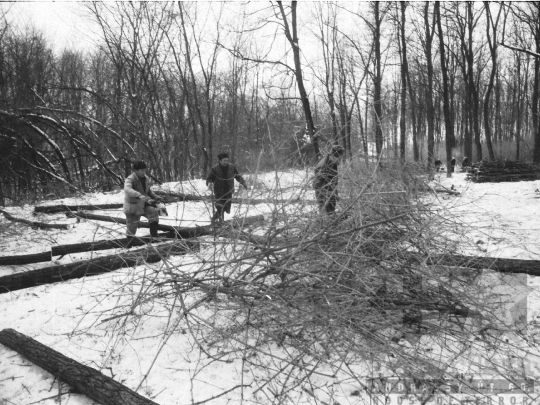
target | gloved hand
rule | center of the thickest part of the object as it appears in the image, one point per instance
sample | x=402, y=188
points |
x=159, y=199
x=144, y=198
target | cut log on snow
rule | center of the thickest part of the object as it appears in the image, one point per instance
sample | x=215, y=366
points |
x=41, y=225
x=173, y=197
x=517, y=266
x=179, y=231
x=51, y=209
x=92, y=267
x=25, y=259
x=61, y=250
x=502, y=171
x=83, y=379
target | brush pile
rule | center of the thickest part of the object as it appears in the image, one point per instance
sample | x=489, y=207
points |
x=502, y=171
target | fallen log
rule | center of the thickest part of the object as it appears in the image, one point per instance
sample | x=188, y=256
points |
x=518, y=266
x=83, y=379
x=51, y=209
x=41, y=225
x=180, y=232
x=174, y=197
x=61, y=250
x=502, y=265
x=25, y=259
x=85, y=268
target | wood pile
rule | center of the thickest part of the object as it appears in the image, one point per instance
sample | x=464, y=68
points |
x=502, y=171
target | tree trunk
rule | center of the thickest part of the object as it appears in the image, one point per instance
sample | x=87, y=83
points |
x=430, y=115
x=51, y=209
x=36, y=224
x=83, y=379
x=536, y=95
x=178, y=231
x=291, y=33
x=446, y=100
x=85, y=268
x=493, y=50
x=61, y=250
x=377, y=81
x=404, y=75
x=501, y=265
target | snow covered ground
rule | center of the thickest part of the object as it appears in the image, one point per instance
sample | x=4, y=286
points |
x=169, y=368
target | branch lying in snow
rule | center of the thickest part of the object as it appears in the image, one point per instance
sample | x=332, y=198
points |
x=40, y=225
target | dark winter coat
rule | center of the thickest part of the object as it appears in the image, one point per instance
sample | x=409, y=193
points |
x=326, y=174
x=133, y=188
x=223, y=179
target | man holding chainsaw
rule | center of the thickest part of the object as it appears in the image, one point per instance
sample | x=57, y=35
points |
x=140, y=200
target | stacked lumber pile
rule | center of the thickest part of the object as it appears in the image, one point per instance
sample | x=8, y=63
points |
x=502, y=171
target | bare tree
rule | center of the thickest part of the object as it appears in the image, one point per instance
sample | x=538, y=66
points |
x=449, y=127
x=291, y=33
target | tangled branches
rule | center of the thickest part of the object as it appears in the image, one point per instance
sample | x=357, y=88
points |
x=349, y=296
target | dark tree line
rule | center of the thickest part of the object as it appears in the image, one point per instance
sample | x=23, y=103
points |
x=274, y=84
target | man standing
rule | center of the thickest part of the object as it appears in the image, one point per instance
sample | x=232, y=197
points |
x=221, y=181
x=326, y=180
x=139, y=200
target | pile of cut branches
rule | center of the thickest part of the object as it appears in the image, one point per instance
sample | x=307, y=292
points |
x=502, y=171
x=320, y=295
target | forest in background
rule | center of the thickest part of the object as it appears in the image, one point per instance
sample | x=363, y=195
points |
x=274, y=84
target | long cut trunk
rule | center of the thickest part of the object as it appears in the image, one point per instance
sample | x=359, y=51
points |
x=84, y=379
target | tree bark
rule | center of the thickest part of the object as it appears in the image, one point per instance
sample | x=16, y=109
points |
x=446, y=97
x=493, y=50
x=404, y=75
x=83, y=379
x=377, y=80
x=501, y=265
x=177, y=231
x=291, y=33
x=51, y=209
x=430, y=113
x=41, y=225
x=100, y=265
x=62, y=250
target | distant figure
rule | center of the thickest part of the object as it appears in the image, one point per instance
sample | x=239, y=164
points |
x=465, y=162
x=140, y=200
x=452, y=164
x=221, y=182
x=326, y=180
x=438, y=165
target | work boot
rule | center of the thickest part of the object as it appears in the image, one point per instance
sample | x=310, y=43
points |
x=154, y=229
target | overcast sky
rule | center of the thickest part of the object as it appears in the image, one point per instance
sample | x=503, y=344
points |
x=62, y=22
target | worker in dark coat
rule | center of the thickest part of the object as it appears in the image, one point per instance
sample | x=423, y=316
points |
x=221, y=182
x=326, y=180
x=453, y=164
x=140, y=200
x=438, y=164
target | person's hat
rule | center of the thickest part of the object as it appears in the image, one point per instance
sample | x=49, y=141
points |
x=222, y=155
x=140, y=164
x=338, y=150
